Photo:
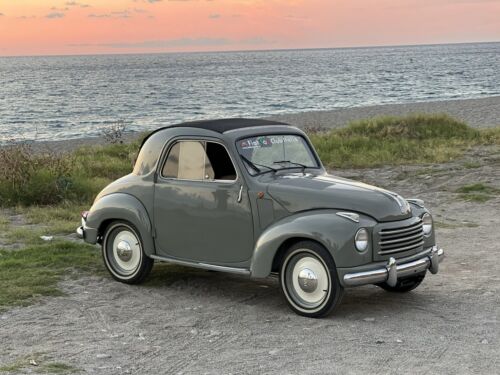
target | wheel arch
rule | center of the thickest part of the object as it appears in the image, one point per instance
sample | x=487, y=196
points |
x=289, y=242
x=122, y=207
x=323, y=226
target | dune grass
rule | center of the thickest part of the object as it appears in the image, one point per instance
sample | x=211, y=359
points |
x=413, y=139
x=35, y=178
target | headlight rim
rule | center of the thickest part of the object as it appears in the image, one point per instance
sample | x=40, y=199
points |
x=430, y=225
x=359, y=248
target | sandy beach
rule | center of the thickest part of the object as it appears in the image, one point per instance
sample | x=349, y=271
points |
x=479, y=113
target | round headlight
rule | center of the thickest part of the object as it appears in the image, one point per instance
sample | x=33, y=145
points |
x=361, y=239
x=427, y=224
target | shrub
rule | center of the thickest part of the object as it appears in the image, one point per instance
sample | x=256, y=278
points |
x=30, y=177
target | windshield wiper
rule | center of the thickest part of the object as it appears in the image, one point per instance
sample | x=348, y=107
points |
x=254, y=165
x=303, y=166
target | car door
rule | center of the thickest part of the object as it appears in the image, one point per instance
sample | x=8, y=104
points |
x=202, y=211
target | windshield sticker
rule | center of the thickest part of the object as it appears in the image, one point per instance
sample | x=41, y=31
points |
x=260, y=142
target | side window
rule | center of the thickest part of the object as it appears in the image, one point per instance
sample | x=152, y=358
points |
x=199, y=160
x=220, y=165
x=186, y=161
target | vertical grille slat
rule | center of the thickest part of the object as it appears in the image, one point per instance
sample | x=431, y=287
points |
x=398, y=239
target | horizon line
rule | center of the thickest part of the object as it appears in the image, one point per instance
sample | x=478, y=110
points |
x=252, y=50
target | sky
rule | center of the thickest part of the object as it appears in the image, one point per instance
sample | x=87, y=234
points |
x=54, y=27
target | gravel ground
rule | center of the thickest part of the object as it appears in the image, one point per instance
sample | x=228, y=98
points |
x=199, y=322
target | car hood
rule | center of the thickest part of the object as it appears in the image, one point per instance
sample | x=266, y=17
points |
x=297, y=192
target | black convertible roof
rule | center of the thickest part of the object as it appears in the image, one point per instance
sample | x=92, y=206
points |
x=221, y=125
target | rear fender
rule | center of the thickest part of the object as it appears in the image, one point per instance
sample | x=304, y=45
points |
x=120, y=206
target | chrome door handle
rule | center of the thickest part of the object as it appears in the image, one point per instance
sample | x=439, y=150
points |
x=240, y=194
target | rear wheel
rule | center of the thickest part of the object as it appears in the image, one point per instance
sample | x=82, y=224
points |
x=309, y=281
x=122, y=251
x=404, y=285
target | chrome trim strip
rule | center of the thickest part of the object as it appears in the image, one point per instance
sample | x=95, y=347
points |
x=349, y=215
x=392, y=271
x=401, y=239
x=399, y=249
x=407, y=229
x=416, y=202
x=205, y=266
x=399, y=235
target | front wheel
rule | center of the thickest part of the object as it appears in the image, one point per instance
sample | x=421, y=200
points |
x=122, y=250
x=309, y=281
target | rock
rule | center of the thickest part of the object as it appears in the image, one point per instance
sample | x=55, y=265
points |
x=369, y=319
x=379, y=341
x=102, y=356
x=399, y=341
x=484, y=341
x=33, y=362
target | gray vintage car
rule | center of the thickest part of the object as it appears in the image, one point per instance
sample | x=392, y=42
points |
x=251, y=197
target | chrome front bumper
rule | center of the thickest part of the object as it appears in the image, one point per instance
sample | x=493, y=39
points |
x=394, y=271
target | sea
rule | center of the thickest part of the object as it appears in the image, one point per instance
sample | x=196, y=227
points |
x=66, y=97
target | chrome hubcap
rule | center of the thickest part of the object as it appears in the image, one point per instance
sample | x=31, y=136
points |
x=308, y=281
x=124, y=251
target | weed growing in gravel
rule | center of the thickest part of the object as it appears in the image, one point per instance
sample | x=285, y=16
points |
x=478, y=192
x=37, y=269
x=43, y=366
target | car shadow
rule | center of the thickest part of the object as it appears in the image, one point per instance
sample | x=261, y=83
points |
x=266, y=293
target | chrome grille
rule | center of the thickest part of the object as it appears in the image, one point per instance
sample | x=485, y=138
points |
x=395, y=240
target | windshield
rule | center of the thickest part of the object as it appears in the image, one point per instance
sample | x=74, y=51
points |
x=274, y=152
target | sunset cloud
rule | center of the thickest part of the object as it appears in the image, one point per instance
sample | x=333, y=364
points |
x=182, y=42
x=54, y=15
x=77, y=4
x=111, y=26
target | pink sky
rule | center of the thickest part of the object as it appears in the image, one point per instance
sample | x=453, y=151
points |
x=43, y=27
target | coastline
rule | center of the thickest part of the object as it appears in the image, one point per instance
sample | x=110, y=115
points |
x=477, y=113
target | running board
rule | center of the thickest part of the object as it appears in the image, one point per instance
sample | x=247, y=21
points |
x=205, y=266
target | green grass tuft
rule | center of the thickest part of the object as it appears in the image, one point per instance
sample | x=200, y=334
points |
x=36, y=270
x=478, y=192
x=413, y=139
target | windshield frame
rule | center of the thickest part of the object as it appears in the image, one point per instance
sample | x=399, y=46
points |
x=312, y=151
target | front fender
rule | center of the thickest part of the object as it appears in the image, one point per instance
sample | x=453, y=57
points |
x=335, y=233
x=121, y=206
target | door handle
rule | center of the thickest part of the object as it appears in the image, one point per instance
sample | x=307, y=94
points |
x=240, y=194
